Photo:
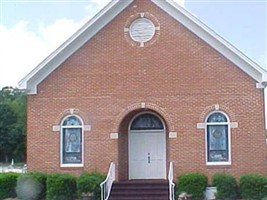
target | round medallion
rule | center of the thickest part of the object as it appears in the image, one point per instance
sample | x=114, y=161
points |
x=217, y=133
x=142, y=30
x=73, y=137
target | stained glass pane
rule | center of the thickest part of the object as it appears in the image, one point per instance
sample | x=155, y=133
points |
x=217, y=117
x=72, y=145
x=218, y=143
x=147, y=122
x=72, y=121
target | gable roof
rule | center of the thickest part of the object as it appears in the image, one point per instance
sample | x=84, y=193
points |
x=115, y=7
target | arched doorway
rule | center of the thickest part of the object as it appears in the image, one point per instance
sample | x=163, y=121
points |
x=147, y=147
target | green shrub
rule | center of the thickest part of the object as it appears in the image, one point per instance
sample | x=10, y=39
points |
x=226, y=186
x=90, y=183
x=192, y=183
x=8, y=183
x=31, y=186
x=253, y=186
x=61, y=187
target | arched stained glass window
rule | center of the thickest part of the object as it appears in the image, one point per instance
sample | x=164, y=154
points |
x=72, y=121
x=147, y=122
x=217, y=138
x=217, y=117
x=71, y=141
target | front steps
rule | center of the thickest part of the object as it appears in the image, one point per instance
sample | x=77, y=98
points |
x=140, y=190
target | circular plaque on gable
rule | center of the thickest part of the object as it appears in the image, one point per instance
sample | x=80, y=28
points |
x=142, y=30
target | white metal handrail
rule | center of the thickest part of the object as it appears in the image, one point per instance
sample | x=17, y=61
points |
x=106, y=185
x=171, y=183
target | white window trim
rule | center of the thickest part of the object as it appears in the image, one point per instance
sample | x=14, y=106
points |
x=61, y=141
x=228, y=123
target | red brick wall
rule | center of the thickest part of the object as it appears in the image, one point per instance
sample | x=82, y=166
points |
x=179, y=76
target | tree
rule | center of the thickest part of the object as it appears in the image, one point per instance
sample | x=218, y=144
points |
x=12, y=124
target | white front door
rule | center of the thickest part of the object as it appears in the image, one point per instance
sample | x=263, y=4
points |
x=147, y=154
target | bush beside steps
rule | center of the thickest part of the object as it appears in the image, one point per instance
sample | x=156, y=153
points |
x=249, y=187
x=193, y=184
x=41, y=186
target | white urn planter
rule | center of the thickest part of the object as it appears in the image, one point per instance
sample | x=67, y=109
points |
x=210, y=193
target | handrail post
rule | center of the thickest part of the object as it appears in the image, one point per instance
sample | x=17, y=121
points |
x=171, y=183
x=106, y=185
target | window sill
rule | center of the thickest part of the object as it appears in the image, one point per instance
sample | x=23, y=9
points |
x=71, y=165
x=218, y=165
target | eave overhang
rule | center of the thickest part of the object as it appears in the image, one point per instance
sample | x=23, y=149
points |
x=55, y=59
x=215, y=41
x=115, y=7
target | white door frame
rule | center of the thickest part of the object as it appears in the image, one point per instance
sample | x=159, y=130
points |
x=148, y=131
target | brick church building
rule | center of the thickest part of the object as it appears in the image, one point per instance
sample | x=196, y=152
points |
x=143, y=84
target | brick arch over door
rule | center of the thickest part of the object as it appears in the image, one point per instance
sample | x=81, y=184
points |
x=142, y=107
x=123, y=146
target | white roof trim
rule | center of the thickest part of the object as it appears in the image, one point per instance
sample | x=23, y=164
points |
x=31, y=81
x=93, y=26
x=213, y=39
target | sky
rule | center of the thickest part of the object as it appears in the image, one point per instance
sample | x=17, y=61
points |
x=32, y=29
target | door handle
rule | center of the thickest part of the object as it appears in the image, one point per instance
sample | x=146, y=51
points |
x=148, y=158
